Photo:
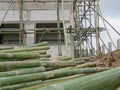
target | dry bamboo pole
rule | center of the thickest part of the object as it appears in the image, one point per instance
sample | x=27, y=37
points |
x=82, y=58
x=88, y=64
x=40, y=51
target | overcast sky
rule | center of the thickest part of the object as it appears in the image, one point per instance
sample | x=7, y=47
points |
x=111, y=11
x=110, y=8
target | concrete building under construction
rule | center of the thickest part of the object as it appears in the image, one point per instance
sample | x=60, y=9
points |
x=39, y=20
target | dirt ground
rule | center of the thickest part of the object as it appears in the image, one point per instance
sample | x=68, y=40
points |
x=111, y=59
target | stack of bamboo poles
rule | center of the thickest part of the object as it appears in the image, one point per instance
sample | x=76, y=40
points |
x=35, y=51
x=29, y=68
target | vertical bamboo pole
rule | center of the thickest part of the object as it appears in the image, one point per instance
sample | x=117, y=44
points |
x=97, y=27
x=59, y=32
x=65, y=36
x=91, y=39
x=21, y=37
x=81, y=11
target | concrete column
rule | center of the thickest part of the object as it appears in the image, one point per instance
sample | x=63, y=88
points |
x=70, y=43
x=118, y=44
x=103, y=49
x=30, y=33
x=85, y=52
x=109, y=46
x=93, y=51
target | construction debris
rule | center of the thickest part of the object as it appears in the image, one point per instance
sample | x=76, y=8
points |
x=111, y=59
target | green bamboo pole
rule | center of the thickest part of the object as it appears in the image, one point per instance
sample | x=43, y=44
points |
x=65, y=58
x=45, y=56
x=27, y=60
x=30, y=64
x=41, y=59
x=36, y=51
x=6, y=48
x=52, y=81
x=107, y=80
x=46, y=75
x=45, y=43
x=19, y=56
x=26, y=49
x=40, y=51
x=22, y=71
x=36, y=84
x=22, y=85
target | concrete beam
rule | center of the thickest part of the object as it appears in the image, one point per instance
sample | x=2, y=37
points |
x=36, y=6
x=42, y=1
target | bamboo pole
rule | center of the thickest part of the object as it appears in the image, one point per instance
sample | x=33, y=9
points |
x=29, y=64
x=4, y=81
x=6, y=48
x=89, y=64
x=52, y=81
x=97, y=28
x=107, y=80
x=22, y=71
x=22, y=85
x=21, y=36
x=36, y=84
x=64, y=28
x=19, y=56
x=45, y=43
x=64, y=58
x=45, y=56
x=40, y=51
x=26, y=49
x=59, y=32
